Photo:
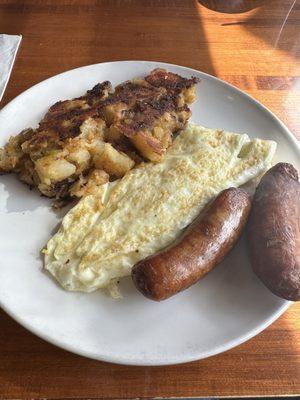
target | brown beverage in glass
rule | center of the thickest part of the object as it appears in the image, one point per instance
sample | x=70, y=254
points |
x=231, y=6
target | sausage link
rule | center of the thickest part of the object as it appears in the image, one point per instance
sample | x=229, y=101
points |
x=203, y=245
x=274, y=231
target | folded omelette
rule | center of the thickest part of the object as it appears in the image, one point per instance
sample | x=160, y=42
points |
x=105, y=234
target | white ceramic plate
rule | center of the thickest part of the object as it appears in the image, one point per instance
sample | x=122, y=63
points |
x=225, y=309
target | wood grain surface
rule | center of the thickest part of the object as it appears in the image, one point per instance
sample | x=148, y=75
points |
x=258, y=51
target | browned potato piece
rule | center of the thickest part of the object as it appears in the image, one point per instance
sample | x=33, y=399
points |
x=54, y=168
x=114, y=135
x=27, y=172
x=89, y=184
x=114, y=162
x=274, y=231
x=11, y=154
x=148, y=146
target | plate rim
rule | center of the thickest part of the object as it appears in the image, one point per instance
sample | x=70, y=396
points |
x=114, y=359
x=117, y=359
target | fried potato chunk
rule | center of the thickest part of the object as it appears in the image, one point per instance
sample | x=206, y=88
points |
x=112, y=161
x=54, y=168
x=11, y=154
x=89, y=184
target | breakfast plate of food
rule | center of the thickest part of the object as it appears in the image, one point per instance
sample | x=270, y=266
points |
x=149, y=213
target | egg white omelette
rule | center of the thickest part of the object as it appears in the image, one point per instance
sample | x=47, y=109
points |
x=105, y=234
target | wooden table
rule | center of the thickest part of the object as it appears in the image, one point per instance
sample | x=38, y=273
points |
x=257, y=51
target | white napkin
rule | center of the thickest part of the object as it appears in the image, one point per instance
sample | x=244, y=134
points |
x=9, y=45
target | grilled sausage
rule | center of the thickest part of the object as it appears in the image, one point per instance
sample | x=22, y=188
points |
x=274, y=231
x=203, y=245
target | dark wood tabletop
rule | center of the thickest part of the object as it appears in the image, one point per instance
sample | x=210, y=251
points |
x=258, y=51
